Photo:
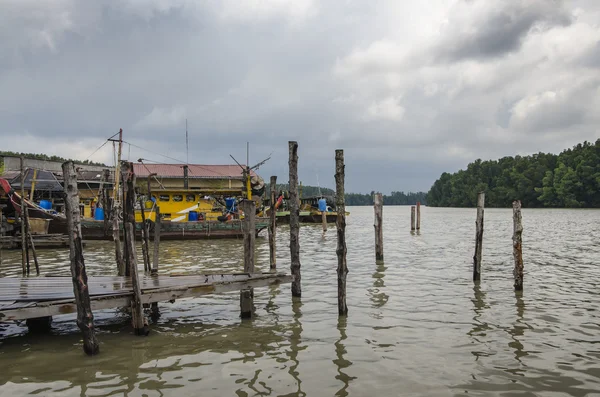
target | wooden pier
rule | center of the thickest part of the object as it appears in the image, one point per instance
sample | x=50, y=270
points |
x=34, y=297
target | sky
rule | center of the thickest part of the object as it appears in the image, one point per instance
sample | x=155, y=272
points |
x=409, y=89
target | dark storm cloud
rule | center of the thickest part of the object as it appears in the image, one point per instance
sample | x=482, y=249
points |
x=501, y=29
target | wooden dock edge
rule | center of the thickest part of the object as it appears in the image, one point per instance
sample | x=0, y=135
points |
x=68, y=306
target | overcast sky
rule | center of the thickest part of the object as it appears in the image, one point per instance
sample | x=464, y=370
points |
x=409, y=89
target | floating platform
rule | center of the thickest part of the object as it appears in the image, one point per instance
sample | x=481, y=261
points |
x=33, y=297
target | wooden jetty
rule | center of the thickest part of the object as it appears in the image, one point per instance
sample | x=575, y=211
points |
x=34, y=297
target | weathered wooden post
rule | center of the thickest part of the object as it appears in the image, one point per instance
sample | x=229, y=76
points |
x=137, y=311
x=294, y=204
x=117, y=238
x=273, y=225
x=517, y=245
x=1, y=235
x=85, y=317
x=342, y=269
x=324, y=220
x=157, y=222
x=249, y=228
x=145, y=238
x=378, y=205
x=24, y=261
x=30, y=241
x=412, y=218
x=418, y=215
x=155, y=313
x=104, y=198
x=478, y=237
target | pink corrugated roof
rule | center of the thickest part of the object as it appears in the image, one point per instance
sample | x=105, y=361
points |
x=194, y=171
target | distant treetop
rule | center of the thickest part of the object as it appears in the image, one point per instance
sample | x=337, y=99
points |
x=45, y=157
x=568, y=180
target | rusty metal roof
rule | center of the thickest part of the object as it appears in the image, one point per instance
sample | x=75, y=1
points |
x=195, y=171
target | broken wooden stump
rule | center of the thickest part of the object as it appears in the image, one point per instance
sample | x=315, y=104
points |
x=517, y=245
x=294, y=205
x=273, y=225
x=378, y=206
x=342, y=268
x=478, y=237
x=137, y=312
x=249, y=227
x=85, y=317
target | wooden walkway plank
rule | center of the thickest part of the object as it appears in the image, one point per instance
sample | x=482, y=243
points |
x=22, y=298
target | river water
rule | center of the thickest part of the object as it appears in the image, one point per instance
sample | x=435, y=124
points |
x=417, y=325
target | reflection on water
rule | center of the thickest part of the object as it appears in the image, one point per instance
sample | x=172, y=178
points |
x=417, y=324
x=341, y=362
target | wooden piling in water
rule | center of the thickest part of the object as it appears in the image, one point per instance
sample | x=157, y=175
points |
x=137, y=311
x=23, y=236
x=249, y=228
x=478, y=237
x=1, y=233
x=418, y=215
x=412, y=218
x=145, y=238
x=157, y=222
x=294, y=220
x=31, y=244
x=104, y=199
x=517, y=245
x=85, y=317
x=342, y=269
x=378, y=206
x=273, y=226
x=155, y=313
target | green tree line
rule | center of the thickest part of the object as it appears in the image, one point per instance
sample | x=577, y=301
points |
x=396, y=198
x=568, y=180
x=38, y=156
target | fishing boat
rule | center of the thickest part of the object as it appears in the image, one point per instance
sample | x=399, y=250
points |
x=192, y=217
x=311, y=209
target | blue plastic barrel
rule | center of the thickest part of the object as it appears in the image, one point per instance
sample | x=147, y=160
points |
x=45, y=204
x=99, y=214
x=322, y=205
x=193, y=216
x=230, y=203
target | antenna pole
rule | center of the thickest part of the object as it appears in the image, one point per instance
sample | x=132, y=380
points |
x=248, y=187
x=187, y=155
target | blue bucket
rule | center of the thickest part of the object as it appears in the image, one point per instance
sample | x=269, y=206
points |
x=230, y=203
x=193, y=216
x=322, y=205
x=45, y=204
x=99, y=214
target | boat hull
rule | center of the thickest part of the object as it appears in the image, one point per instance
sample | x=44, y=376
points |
x=201, y=230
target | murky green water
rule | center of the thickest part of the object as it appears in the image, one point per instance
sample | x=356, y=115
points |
x=417, y=325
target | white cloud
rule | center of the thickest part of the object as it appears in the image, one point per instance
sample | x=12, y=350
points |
x=387, y=109
x=162, y=118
